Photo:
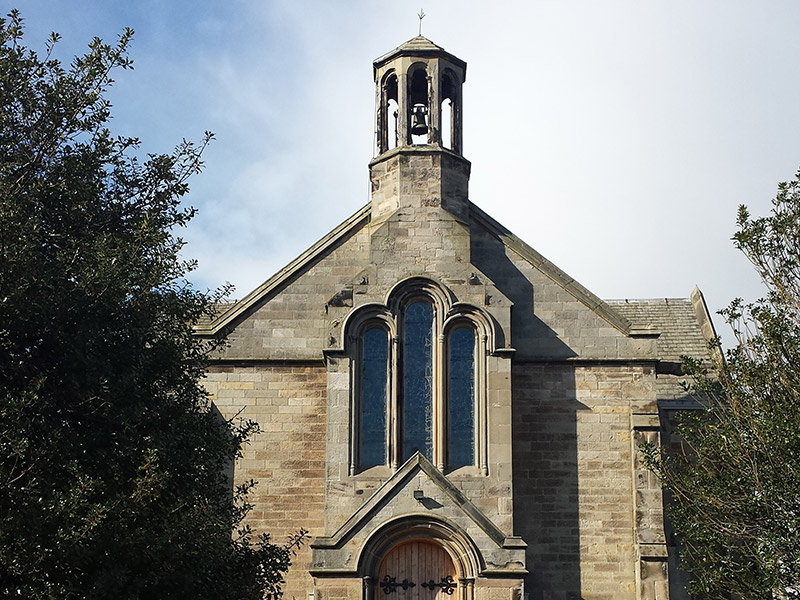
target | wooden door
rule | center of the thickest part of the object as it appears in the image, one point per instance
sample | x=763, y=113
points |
x=417, y=571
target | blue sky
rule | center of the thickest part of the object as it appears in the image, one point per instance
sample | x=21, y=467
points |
x=617, y=137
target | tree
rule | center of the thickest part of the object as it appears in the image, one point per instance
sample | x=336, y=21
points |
x=735, y=489
x=112, y=460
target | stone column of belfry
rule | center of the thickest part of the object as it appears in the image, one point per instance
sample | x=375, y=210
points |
x=652, y=566
x=402, y=110
x=434, y=104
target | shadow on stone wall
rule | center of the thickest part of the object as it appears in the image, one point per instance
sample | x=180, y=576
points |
x=544, y=425
x=530, y=336
x=678, y=579
x=545, y=463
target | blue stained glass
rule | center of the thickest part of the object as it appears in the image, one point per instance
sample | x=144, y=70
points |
x=418, y=380
x=461, y=386
x=374, y=372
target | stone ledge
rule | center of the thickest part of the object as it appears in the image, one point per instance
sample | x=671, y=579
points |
x=645, y=421
x=655, y=552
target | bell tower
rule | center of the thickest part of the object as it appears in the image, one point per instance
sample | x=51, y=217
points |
x=418, y=161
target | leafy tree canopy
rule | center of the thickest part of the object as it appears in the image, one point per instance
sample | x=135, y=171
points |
x=112, y=461
x=735, y=491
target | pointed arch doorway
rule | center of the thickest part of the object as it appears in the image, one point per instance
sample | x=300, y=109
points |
x=420, y=550
x=418, y=570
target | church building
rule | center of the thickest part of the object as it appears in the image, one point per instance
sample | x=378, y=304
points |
x=448, y=413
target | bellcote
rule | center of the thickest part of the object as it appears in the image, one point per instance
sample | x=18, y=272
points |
x=419, y=164
x=418, y=88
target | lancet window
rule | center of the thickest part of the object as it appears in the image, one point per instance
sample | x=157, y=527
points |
x=418, y=370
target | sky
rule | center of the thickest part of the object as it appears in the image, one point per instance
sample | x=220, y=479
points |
x=616, y=137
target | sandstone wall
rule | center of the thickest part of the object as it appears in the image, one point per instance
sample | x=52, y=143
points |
x=573, y=483
x=287, y=458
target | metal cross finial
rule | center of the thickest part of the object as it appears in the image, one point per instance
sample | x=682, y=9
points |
x=421, y=16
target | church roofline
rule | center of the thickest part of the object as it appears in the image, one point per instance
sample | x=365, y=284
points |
x=276, y=281
x=561, y=278
x=363, y=215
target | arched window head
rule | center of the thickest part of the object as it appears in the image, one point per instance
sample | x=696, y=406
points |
x=419, y=376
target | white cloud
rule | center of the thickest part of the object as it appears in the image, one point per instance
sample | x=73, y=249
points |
x=617, y=138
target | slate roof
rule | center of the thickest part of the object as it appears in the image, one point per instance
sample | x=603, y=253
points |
x=218, y=308
x=675, y=318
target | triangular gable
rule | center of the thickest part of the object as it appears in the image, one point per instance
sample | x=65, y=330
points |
x=362, y=216
x=417, y=463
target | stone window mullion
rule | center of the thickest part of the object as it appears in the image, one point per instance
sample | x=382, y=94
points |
x=439, y=408
x=481, y=410
x=394, y=405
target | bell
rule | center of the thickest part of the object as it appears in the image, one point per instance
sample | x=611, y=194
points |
x=418, y=124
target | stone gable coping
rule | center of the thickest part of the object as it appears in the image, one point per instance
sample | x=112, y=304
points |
x=580, y=293
x=236, y=310
x=362, y=216
x=706, y=324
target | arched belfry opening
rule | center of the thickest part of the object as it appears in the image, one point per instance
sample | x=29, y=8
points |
x=419, y=105
x=388, y=112
x=450, y=111
x=419, y=97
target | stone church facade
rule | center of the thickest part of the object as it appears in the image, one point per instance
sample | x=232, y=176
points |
x=448, y=413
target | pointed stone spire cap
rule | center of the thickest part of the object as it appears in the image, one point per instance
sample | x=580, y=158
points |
x=419, y=43
x=420, y=46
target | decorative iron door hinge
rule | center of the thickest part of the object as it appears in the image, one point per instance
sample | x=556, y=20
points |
x=447, y=585
x=389, y=584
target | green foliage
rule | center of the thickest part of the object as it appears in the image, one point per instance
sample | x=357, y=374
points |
x=112, y=461
x=735, y=492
